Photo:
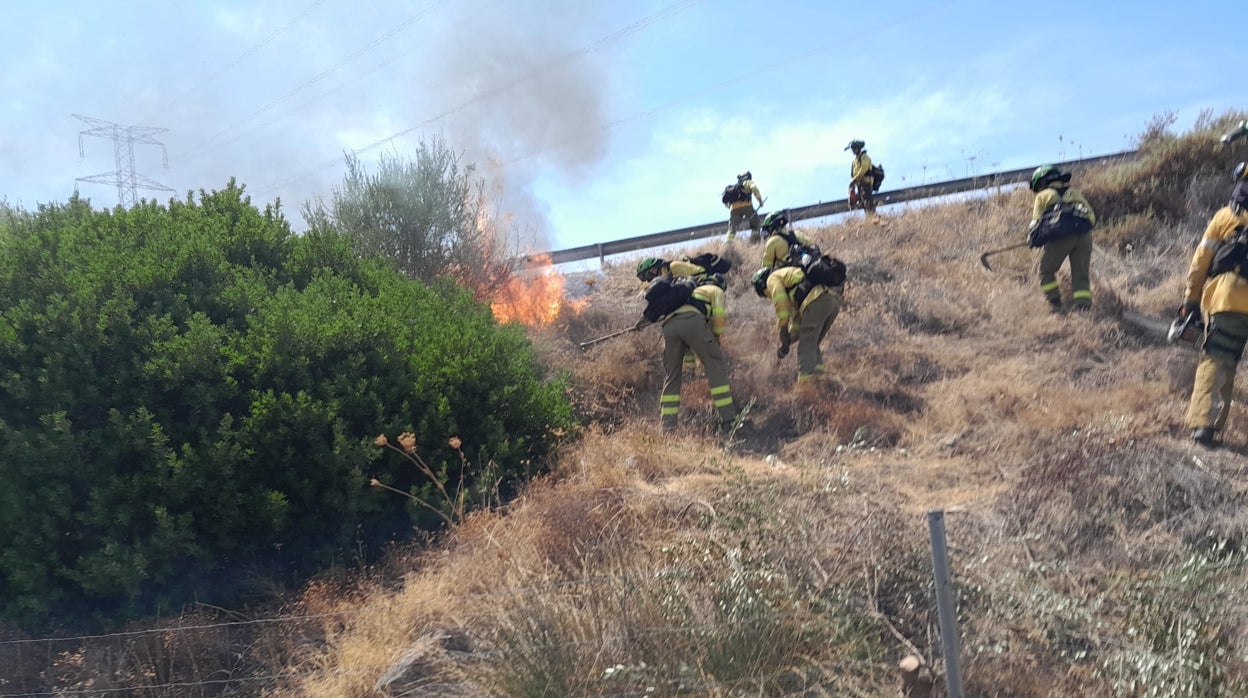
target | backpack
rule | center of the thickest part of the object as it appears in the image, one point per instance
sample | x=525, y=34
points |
x=666, y=294
x=735, y=193
x=711, y=262
x=799, y=255
x=821, y=270
x=825, y=270
x=1232, y=255
x=1061, y=220
x=877, y=176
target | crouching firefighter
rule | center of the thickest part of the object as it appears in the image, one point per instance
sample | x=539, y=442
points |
x=693, y=314
x=807, y=301
x=784, y=246
x=1217, y=285
x=652, y=268
x=699, y=268
x=1061, y=223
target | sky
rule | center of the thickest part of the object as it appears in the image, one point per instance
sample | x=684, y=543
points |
x=590, y=121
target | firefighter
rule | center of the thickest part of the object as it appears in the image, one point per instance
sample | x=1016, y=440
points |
x=696, y=326
x=1052, y=188
x=861, y=181
x=1223, y=298
x=652, y=268
x=778, y=250
x=742, y=212
x=802, y=307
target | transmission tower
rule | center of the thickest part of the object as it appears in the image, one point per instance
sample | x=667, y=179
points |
x=128, y=181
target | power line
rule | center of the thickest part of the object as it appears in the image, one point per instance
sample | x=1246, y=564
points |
x=596, y=45
x=323, y=95
x=204, y=147
x=200, y=84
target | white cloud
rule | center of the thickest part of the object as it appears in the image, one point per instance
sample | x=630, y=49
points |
x=797, y=158
x=245, y=22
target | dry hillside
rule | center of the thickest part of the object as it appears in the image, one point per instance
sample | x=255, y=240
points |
x=1096, y=551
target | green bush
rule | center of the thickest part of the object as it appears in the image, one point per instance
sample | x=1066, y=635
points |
x=189, y=395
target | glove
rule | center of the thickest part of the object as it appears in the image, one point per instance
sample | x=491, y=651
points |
x=1188, y=308
x=786, y=339
x=641, y=322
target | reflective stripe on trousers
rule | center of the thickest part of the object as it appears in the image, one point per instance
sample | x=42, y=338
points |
x=691, y=331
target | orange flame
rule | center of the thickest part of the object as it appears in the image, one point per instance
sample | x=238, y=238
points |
x=535, y=299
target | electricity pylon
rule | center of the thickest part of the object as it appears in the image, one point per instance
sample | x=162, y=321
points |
x=128, y=181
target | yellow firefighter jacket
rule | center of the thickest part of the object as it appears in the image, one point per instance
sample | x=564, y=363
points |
x=752, y=189
x=776, y=251
x=1226, y=292
x=716, y=308
x=860, y=171
x=1058, y=192
x=780, y=285
x=678, y=267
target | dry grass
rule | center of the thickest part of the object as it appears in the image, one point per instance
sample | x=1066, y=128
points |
x=792, y=564
x=1097, y=552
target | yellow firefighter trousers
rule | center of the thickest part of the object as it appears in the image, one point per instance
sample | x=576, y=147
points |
x=681, y=333
x=1215, y=374
x=1079, y=249
x=817, y=318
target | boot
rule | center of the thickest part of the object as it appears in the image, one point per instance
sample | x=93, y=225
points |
x=1205, y=436
x=1055, y=306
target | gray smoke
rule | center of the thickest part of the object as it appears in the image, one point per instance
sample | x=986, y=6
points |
x=536, y=100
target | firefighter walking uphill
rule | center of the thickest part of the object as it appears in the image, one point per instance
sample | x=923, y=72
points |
x=1217, y=287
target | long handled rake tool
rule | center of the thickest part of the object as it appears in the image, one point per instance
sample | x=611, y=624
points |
x=613, y=335
x=983, y=258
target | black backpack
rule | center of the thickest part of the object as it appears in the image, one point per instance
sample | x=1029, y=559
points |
x=877, y=176
x=825, y=270
x=711, y=262
x=1061, y=220
x=666, y=294
x=1232, y=255
x=735, y=193
x=799, y=252
x=821, y=270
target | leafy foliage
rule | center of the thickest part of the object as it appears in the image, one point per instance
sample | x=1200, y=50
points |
x=428, y=214
x=189, y=392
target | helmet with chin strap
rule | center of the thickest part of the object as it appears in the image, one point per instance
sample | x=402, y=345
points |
x=759, y=280
x=1046, y=175
x=775, y=221
x=649, y=268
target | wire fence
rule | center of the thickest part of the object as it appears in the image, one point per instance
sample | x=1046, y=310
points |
x=219, y=658
x=213, y=686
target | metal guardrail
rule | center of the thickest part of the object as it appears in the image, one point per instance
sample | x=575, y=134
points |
x=924, y=191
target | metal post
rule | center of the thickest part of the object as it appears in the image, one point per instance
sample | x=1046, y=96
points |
x=944, y=603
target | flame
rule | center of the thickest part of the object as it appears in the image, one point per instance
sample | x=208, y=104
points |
x=535, y=299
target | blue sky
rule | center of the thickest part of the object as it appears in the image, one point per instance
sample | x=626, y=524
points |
x=593, y=121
